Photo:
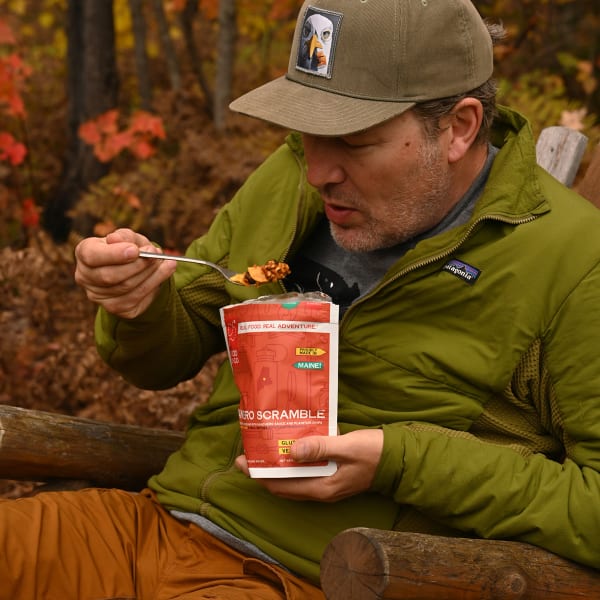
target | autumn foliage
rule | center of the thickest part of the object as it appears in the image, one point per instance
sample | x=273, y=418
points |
x=108, y=140
x=140, y=147
x=11, y=150
x=13, y=73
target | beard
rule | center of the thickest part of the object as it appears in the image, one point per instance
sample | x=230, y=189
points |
x=419, y=203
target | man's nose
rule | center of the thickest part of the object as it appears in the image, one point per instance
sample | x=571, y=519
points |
x=323, y=160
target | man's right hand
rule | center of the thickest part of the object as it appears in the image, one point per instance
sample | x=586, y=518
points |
x=114, y=276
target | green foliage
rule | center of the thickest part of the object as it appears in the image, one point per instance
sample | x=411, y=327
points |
x=543, y=98
x=549, y=64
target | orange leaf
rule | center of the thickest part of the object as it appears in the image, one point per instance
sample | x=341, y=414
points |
x=13, y=71
x=134, y=201
x=11, y=150
x=6, y=34
x=103, y=133
x=16, y=106
x=104, y=228
x=89, y=132
x=210, y=8
x=30, y=214
x=142, y=149
x=177, y=5
x=145, y=122
x=108, y=146
x=107, y=122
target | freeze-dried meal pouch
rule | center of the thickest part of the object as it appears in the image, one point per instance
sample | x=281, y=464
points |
x=284, y=354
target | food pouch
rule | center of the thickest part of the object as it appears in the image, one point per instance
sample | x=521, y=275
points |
x=284, y=355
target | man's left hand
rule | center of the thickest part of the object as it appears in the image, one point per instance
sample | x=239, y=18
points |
x=356, y=453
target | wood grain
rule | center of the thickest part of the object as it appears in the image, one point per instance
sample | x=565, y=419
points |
x=40, y=446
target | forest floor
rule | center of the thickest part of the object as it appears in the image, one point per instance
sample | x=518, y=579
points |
x=48, y=360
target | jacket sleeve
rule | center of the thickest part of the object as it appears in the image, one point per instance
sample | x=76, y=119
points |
x=494, y=491
x=173, y=338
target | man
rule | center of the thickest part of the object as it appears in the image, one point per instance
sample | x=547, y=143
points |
x=469, y=378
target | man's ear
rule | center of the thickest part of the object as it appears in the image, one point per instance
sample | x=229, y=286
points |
x=464, y=125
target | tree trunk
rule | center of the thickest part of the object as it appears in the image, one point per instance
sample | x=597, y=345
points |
x=138, y=23
x=225, y=58
x=167, y=44
x=92, y=85
x=187, y=25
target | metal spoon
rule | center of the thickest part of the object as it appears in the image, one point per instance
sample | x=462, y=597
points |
x=227, y=273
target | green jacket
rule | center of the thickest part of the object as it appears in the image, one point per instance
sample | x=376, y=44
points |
x=488, y=391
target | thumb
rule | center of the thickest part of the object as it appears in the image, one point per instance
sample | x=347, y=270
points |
x=311, y=449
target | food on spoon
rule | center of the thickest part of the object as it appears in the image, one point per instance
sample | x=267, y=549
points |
x=272, y=270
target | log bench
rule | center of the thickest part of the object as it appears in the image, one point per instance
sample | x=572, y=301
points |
x=71, y=452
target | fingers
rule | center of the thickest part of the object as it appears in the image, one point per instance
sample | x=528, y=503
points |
x=127, y=235
x=242, y=464
x=113, y=276
x=357, y=455
x=119, y=247
x=127, y=293
x=363, y=446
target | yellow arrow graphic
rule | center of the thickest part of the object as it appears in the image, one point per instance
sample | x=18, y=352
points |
x=310, y=351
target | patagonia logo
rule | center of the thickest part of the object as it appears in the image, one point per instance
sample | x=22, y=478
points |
x=462, y=270
x=318, y=41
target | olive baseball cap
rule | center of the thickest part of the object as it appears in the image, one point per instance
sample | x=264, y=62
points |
x=357, y=63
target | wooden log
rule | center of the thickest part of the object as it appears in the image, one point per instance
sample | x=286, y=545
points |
x=374, y=564
x=559, y=150
x=41, y=446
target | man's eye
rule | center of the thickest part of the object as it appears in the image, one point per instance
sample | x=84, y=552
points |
x=350, y=143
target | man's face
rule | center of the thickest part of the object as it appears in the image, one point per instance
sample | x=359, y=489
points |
x=382, y=186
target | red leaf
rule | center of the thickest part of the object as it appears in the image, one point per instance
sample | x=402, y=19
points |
x=103, y=133
x=6, y=34
x=107, y=122
x=142, y=149
x=89, y=132
x=11, y=150
x=145, y=122
x=13, y=72
x=30, y=214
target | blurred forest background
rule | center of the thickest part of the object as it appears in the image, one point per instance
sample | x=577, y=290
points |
x=114, y=113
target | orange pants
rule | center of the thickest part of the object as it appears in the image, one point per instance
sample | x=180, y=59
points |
x=100, y=544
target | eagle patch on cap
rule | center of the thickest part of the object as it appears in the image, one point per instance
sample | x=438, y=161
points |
x=317, y=41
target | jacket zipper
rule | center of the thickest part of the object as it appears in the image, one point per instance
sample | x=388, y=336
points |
x=422, y=263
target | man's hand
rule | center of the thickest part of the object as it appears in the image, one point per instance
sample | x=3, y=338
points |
x=357, y=455
x=112, y=274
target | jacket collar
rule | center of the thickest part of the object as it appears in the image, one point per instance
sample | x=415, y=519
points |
x=513, y=188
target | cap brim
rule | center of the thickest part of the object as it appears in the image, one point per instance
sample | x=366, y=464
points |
x=314, y=111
